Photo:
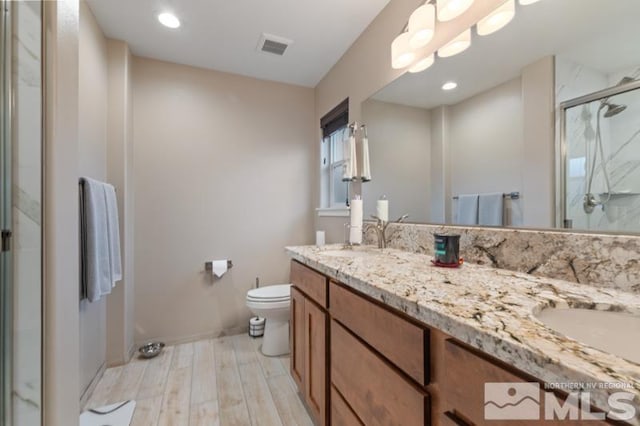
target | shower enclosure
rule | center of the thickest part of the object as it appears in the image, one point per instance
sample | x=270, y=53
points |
x=21, y=213
x=600, y=159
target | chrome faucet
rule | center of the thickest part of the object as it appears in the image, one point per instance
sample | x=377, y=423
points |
x=381, y=229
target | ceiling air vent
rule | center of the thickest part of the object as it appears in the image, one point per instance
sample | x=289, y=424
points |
x=273, y=44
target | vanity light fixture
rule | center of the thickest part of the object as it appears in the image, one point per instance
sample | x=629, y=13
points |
x=169, y=20
x=401, y=53
x=449, y=85
x=497, y=19
x=526, y=2
x=450, y=9
x=422, y=24
x=422, y=64
x=457, y=45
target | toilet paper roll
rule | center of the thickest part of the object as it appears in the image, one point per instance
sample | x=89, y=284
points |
x=219, y=267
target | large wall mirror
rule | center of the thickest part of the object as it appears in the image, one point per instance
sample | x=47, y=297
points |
x=546, y=113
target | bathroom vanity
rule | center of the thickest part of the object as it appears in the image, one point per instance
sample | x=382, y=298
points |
x=383, y=337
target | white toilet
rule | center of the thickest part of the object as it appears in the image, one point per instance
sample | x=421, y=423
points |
x=272, y=303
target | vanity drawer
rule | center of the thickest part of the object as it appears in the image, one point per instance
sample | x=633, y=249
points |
x=403, y=343
x=463, y=387
x=310, y=282
x=463, y=390
x=375, y=391
x=341, y=414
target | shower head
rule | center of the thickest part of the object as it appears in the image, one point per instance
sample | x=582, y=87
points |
x=613, y=109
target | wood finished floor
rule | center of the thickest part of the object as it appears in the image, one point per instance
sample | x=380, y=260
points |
x=223, y=381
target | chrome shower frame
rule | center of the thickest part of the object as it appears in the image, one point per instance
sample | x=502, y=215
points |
x=561, y=147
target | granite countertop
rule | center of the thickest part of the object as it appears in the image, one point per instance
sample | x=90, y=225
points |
x=490, y=309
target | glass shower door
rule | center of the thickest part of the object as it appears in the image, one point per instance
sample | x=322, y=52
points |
x=601, y=140
x=21, y=213
x=5, y=215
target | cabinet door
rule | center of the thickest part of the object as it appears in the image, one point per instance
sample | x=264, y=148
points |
x=297, y=328
x=375, y=391
x=315, y=372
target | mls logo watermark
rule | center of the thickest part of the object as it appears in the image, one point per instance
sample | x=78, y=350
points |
x=511, y=401
x=522, y=401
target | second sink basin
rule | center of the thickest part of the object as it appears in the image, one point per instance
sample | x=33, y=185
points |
x=613, y=332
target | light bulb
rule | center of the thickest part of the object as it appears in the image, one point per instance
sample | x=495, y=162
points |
x=450, y=9
x=422, y=24
x=457, y=45
x=422, y=64
x=497, y=19
x=401, y=54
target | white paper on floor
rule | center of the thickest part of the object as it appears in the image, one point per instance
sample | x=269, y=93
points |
x=119, y=417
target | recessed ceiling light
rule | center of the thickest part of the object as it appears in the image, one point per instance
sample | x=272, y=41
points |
x=449, y=85
x=169, y=20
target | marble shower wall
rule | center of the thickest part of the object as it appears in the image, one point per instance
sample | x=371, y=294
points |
x=621, y=142
x=608, y=261
x=27, y=217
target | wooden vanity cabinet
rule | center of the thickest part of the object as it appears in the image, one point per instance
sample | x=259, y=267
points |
x=358, y=362
x=463, y=392
x=309, y=338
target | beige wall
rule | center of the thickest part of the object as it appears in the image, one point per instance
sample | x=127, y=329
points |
x=92, y=162
x=221, y=171
x=61, y=373
x=486, y=145
x=400, y=141
x=366, y=67
x=538, y=97
x=120, y=303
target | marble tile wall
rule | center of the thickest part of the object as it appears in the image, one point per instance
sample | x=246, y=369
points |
x=620, y=137
x=27, y=207
x=608, y=261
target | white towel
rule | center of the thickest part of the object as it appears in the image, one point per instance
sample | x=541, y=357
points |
x=467, y=209
x=366, y=166
x=350, y=168
x=121, y=415
x=95, y=252
x=113, y=229
x=491, y=209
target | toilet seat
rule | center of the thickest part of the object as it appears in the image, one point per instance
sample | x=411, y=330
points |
x=270, y=294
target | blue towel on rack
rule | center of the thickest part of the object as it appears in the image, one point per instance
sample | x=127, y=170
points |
x=491, y=209
x=467, y=209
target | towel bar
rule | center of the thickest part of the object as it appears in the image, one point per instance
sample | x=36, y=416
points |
x=512, y=195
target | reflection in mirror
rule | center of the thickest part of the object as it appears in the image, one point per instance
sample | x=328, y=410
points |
x=497, y=131
x=602, y=173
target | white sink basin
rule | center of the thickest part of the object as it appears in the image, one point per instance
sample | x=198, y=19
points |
x=346, y=253
x=613, y=332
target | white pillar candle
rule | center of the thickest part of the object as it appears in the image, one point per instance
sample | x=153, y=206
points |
x=356, y=213
x=382, y=209
x=319, y=238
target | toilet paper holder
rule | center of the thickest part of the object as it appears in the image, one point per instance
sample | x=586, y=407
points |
x=208, y=266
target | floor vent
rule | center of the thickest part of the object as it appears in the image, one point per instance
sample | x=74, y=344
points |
x=273, y=44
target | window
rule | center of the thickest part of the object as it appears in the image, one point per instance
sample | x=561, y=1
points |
x=334, y=192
